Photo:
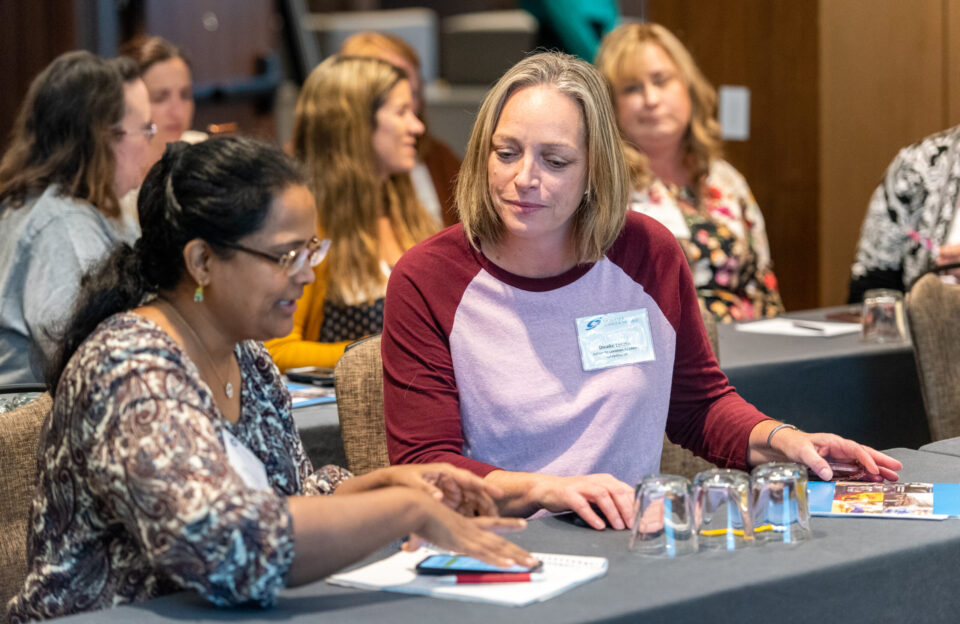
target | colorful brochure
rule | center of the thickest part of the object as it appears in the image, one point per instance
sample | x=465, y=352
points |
x=302, y=395
x=922, y=501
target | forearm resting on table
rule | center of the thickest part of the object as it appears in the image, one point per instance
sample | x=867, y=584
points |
x=331, y=532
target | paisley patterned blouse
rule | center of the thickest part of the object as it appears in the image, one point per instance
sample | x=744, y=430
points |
x=910, y=215
x=724, y=239
x=137, y=497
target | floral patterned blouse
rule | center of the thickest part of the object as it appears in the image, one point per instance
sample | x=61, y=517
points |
x=724, y=239
x=137, y=497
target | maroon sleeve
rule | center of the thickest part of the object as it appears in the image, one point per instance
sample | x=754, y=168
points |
x=706, y=414
x=420, y=398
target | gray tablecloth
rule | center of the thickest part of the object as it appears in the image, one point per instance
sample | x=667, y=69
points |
x=865, y=570
x=866, y=392
x=950, y=446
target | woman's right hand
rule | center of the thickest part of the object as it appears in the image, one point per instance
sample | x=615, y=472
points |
x=475, y=537
x=612, y=497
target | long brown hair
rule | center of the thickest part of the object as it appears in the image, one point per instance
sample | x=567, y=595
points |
x=333, y=136
x=702, y=142
x=64, y=135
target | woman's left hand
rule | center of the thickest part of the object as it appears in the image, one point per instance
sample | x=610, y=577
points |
x=815, y=449
x=456, y=488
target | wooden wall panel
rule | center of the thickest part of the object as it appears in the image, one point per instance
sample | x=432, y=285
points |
x=882, y=87
x=31, y=35
x=770, y=46
x=951, y=19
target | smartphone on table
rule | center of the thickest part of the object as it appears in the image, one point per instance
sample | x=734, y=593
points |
x=461, y=564
x=315, y=375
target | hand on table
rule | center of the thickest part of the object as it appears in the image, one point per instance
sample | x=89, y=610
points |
x=814, y=449
x=476, y=537
x=612, y=497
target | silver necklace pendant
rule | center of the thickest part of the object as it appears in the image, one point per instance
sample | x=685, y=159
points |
x=228, y=390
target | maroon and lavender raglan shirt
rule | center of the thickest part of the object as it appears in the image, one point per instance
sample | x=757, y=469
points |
x=483, y=368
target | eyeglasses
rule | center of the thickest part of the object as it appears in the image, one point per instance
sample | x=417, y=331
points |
x=292, y=261
x=148, y=130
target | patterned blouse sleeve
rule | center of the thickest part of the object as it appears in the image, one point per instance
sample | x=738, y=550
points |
x=883, y=237
x=158, y=463
x=762, y=288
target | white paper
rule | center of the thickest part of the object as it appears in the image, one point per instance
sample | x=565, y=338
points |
x=397, y=573
x=798, y=327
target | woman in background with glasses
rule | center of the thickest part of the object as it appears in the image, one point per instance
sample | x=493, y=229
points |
x=80, y=142
x=356, y=131
x=171, y=461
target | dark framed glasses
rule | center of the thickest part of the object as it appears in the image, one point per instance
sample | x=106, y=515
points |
x=292, y=261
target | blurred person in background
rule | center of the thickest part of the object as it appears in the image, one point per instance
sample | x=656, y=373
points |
x=165, y=71
x=666, y=110
x=80, y=142
x=355, y=131
x=913, y=220
x=434, y=175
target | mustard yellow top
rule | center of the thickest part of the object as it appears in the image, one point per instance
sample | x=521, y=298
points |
x=294, y=350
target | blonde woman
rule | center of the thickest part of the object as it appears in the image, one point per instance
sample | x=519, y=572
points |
x=434, y=175
x=666, y=112
x=356, y=132
x=562, y=336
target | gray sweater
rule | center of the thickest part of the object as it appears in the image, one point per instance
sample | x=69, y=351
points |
x=45, y=247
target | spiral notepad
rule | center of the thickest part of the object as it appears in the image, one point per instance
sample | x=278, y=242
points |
x=397, y=573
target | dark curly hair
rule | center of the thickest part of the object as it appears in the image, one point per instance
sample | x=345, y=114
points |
x=219, y=191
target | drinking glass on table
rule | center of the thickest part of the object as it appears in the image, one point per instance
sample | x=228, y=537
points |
x=781, y=510
x=722, y=509
x=664, y=523
x=882, y=318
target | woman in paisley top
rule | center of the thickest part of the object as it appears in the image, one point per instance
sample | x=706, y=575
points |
x=912, y=222
x=356, y=131
x=170, y=460
x=665, y=109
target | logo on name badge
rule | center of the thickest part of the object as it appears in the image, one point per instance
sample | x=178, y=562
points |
x=594, y=323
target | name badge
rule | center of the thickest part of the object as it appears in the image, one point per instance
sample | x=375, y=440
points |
x=615, y=339
x=245, y=463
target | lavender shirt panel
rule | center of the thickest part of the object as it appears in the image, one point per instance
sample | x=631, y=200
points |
x=526, y=403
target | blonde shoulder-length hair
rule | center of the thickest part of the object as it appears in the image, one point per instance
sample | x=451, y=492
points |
x=600, y=216
x=701, y=143
x=334, y=123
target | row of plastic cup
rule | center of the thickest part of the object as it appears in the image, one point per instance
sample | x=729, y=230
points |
x=721, y=510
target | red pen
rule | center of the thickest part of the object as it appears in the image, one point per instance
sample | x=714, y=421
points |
x=491, y=577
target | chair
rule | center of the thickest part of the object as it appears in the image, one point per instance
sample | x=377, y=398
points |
x=358, y=379
x=933, y=310
x=19, y=438
x=675, y=459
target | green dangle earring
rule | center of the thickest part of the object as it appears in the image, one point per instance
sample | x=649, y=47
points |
x=198, y=294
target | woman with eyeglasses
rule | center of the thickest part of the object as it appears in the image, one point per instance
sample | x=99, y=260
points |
x=171, y=461
x=80, y=142
x=355, y=130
